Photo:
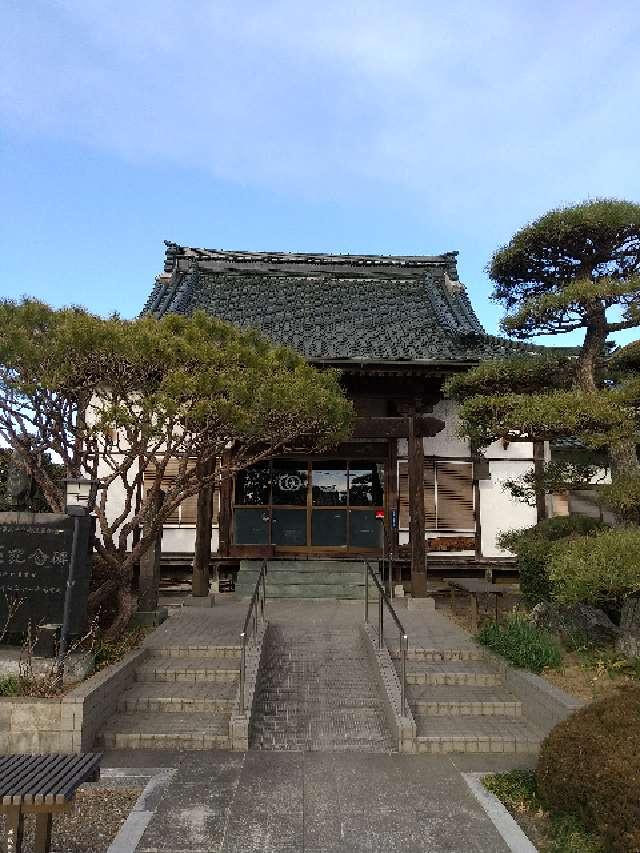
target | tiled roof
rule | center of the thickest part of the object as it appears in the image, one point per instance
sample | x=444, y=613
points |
x=333, y=307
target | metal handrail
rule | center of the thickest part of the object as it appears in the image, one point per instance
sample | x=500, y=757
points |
x=252, y=614
x=404, y=639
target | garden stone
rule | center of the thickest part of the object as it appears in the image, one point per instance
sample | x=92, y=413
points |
x=574, y=621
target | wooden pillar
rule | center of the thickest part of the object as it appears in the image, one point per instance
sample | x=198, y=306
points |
x=391, y=493
x=149, y=582
x=476, y=512
x=538, y=469
x=416, y=512
x=224, y=516
x=204, y=517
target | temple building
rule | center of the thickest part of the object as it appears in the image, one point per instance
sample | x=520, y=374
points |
x=405, y=485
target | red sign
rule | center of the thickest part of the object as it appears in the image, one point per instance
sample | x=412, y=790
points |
x=379, y=513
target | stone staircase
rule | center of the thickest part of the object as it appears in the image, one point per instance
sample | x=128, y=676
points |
x=341, y=579
x=316, y=691
x=182, y=698
x=460, y=704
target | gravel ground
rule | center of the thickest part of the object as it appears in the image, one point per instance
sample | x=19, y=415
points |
x=99, y=814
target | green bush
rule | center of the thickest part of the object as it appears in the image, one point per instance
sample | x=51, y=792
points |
x=521, y=644
x=589, y=766
x=532, y=547
x=598, y=569
x=518, y=791
x=10, y=686
x=622, y=496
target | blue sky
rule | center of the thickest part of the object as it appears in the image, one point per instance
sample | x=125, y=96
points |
x=366, y=126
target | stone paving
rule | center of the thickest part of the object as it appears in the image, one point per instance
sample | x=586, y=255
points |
x=312, y=802
x=186, y=689
x=457, y=697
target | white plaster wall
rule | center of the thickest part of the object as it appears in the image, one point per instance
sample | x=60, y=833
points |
x=498, y=509
x=447, y=442
x=182, y=539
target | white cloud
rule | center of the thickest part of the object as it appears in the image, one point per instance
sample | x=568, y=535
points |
x=463, y=105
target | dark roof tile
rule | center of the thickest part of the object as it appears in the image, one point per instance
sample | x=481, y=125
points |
x=333, y=306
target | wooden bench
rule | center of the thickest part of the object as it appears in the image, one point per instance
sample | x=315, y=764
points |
x=42, y=785
x=477, y=588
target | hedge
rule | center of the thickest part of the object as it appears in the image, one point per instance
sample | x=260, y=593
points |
x=599, y=569
x=589, y=766
x=533, y=545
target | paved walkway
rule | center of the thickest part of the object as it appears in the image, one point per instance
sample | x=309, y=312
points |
x=309, y=802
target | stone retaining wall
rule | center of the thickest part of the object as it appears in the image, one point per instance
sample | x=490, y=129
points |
x=240, y=725
x=543, y=704
x=69, y=723
x=403, y=728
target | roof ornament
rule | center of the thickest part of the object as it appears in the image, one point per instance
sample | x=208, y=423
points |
x=453, y=285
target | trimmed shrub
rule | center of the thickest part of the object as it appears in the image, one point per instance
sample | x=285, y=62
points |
x=532, y=546
x=521, y=644
x=589, y=766
x=598, y=569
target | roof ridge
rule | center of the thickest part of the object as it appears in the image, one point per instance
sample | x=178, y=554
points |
x=175, y=250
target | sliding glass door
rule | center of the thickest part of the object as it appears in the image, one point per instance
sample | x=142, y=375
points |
x=333, y=505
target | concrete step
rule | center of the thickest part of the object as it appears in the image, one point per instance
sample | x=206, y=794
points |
x=317, y=566
x=415, y=653
x=204, y=651
x=166, y=731
x=462, y=701
x=476, y=734
x=180, y=698
x=294, y=577
x=193, y=670
x=304, y=578
x=317, y=741
x=452, y=673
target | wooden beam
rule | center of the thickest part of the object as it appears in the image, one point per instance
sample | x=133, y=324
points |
x=204, y=517
x=416, y=512
x=422, y=425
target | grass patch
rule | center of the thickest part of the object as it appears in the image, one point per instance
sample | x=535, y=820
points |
x=521, y=644
x=111, y=651
x=517, y=791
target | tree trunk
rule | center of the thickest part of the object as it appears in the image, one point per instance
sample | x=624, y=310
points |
x=592, y=349
x=629, y=642
x=624, y=459
x=204, y=517
x=127, y=603
x=538, y=473
x=622, y=452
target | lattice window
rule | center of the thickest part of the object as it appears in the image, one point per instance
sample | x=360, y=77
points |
x=448, y=495
x=186, y=512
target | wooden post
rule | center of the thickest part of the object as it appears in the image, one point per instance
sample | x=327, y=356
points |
x=224, y=516
x=538, y=468
x=42, y=842
x=204, y=518
x=416, y=511
x=391, y=492
x=476, y=512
